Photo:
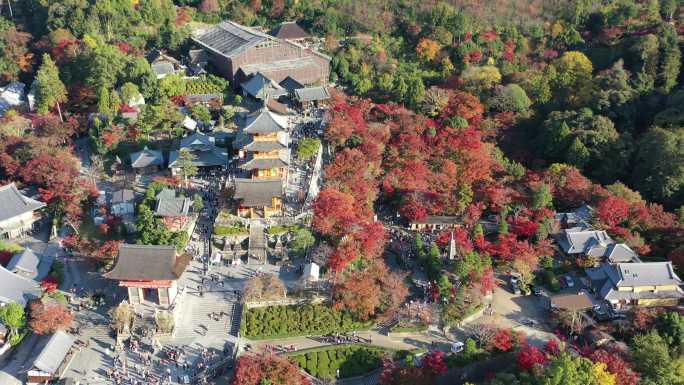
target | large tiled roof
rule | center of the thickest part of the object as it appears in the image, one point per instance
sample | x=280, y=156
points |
x=257, y=192
x=264, y=146
x=122, y=196
x=15, y=203
x=146, y=263
x=52, y=351
x=173, y=207
x=229, y=38
x=261, y=87
x=17, y=289
x=619, y=252
x=580, y=240
x=211, y=157
x=289, y=30
x=280, y=69
x=196, y=139
x=263, y=164
x=647, y=274
x=146, y=158
x=24, y=263
x=291, y=84
x=265, y=122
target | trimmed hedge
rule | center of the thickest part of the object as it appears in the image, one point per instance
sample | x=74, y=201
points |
x=351, y=360
x=293, y=320
x=222, y=230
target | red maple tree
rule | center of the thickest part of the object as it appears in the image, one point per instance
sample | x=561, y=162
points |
x=257, y=369
x=49, y=316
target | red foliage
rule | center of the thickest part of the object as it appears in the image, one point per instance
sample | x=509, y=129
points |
x=344, y=254
x=108, y=250
x=464, y=105
x=473, y=56
x=503, y=340
x=48, y=317
x=5, y=257
x=335, y=213
x=487, y=281
x=624, y=374
x=489, y=35
x=613, y=211
x=182, y=16
x=49, y=284
x=252, y=369
x=552, y=348
x=523, y=227
x=433, y=363
x=529, y=356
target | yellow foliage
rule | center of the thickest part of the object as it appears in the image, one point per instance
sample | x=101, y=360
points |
x=601, y=374
x=427, y=49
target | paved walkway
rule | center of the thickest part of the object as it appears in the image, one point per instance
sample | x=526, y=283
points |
x=404, y=341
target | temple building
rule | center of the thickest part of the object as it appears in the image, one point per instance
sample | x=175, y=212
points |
x=239, y=52
x=149, y=272
x=258, y=198
x=263, y=145
x=174, y=210
x=206, y=154
x=18, y=213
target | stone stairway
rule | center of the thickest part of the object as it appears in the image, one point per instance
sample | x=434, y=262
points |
x=236, y=316
x=195, y=321
x=386, y=326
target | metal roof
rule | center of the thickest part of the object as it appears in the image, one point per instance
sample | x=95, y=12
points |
x=291, y=84
x=579, y=240
x=620, y=252
x=575, y=302
x=257, y=192
x=53, y=351
x=647, y=274
x=17, y=289
x=24, y=263
x=146, y=158
x=265, y=122
x=147, y=263
x=203, y=158
x=229, y=38
x=14, y=203
x=289, y=30
x=311, y=94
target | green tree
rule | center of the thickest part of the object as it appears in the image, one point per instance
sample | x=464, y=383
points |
x=12, y=315
x=573, y=84
x=201, y=113
x=129, y=93
x=50, y=91
x=670, y=58
x=542, y=197
x=197, y=203
x=103, y=102
x=303, y=239
x=509, y=98
x=659, y=170
x=652, y=358
x=308, y=148
x=186, y=164
x=670, y=326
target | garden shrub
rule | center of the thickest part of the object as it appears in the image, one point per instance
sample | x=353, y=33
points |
x=350, y=360
x=283, y=321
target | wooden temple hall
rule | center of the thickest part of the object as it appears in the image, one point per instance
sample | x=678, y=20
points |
x=149, y=272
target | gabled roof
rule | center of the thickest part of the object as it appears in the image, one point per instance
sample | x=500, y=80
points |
x=17, y=289
x=122, y=196
x=147, y=263
x=619, y=252
x=173, y=207
x=213, y=156
x=52, y=351
x=311, y=94
x=264, y=146
x=291, y=84
x=15, y=203
x=229, y=38
x=197, y=139
x=440, y=220
x=263, y=164
x=265, y=122
x=261, y=87
x=257, y=192
x=24, y=263
x=146, y=158
x=158, y=55
x=163, y=68
x=579, y=240
x=646, y=274
x=166, y=193
x=289, y=30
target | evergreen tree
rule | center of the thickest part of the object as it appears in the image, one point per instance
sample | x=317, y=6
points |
x=50, y=91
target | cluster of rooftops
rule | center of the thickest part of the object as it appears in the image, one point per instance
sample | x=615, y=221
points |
x=621, y=276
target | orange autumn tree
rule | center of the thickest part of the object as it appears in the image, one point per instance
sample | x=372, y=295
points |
x=49, y=316
x=427, y=49
x=258, y=369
